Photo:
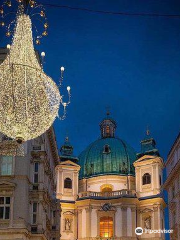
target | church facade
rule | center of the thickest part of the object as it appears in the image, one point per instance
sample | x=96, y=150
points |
x=110, y=190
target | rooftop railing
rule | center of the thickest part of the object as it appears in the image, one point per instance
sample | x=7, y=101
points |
x=112, y=194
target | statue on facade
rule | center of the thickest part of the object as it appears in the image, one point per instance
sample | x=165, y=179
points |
x=147, y=223
x=67, y=224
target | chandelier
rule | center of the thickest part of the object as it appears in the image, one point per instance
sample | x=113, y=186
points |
x=29, y=99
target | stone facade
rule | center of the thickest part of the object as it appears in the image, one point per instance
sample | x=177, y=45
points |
x=106, y=205
x=127, y=208
x=172, y=185
x=28, y=206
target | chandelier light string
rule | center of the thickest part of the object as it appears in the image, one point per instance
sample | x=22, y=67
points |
x=29, y=99
x=36, y=12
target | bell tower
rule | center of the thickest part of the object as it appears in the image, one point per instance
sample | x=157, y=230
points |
x=148, y=172
x=148, y=168
x=67, y=173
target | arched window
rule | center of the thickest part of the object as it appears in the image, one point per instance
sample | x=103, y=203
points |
x=68, y=183
x=106, y=227
x=146, y=178
x=106, y=188
x=107, y=149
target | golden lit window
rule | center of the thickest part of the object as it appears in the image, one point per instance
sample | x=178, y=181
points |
x=108, y=130
x=107, y=189
x=106, y=227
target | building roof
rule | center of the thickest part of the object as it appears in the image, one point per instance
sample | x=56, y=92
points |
x=148, y=146
x=66, y=152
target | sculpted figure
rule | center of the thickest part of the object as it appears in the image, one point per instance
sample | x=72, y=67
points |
x=147, y=223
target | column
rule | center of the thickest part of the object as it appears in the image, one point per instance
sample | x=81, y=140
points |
x=88, y=222
x=62, y=181
x=118, y=222
x=83, y=223
x=75, y=227
x=79, y=223
x=94, y=223
x=157, y=177
x=140, y=176
x=73, y=184
x=58, y=182
x=129, y=222
x=155, y=218
x=134, y=223
x=124, y=222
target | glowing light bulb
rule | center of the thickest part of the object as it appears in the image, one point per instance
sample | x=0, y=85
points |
x=68, y=88
x=46, y=25
x=43, y=54
x=62, y=69
x=8, y=46
x=42, y=14
x=8, y=34
x=8, y=3
x=1, y=11
x=38, y=41
x=2, y=24
x=45, y=33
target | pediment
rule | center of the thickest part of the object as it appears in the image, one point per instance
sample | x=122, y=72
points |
x=145, y=157
x=148, y=158
x=69, y=163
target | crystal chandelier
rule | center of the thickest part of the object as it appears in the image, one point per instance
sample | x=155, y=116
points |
x=29, y=99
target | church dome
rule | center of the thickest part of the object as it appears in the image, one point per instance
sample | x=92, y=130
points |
x=107, y=155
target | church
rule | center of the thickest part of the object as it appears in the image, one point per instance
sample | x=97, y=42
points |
x=110, y=190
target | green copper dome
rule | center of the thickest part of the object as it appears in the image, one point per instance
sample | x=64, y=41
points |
x=107, y=155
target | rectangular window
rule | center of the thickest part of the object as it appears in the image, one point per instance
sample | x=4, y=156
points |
x=4, y=207
x=34, y=213
x=36, y=172
x=6, y=165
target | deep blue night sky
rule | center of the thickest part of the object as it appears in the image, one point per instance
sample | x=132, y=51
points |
x=129, y=63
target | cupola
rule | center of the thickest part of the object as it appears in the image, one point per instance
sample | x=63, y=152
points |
x=108, y=127
x=66, y=151
x=148, y=146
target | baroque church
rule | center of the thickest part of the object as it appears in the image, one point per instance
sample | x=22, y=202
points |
x=110, y=190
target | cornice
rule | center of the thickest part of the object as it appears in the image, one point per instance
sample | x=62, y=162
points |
x=53, y=145
x=171, y=177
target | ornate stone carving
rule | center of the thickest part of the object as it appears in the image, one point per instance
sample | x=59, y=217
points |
x=155, y=209
x=147, y=223
x=133, y=209
x=68, y=224
x=124, y=208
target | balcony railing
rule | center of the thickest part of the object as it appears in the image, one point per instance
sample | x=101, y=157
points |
x=104, y=195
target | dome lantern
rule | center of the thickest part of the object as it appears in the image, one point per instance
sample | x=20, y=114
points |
x=108, y=127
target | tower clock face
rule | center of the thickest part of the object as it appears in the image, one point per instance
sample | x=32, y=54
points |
x=106, y=207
